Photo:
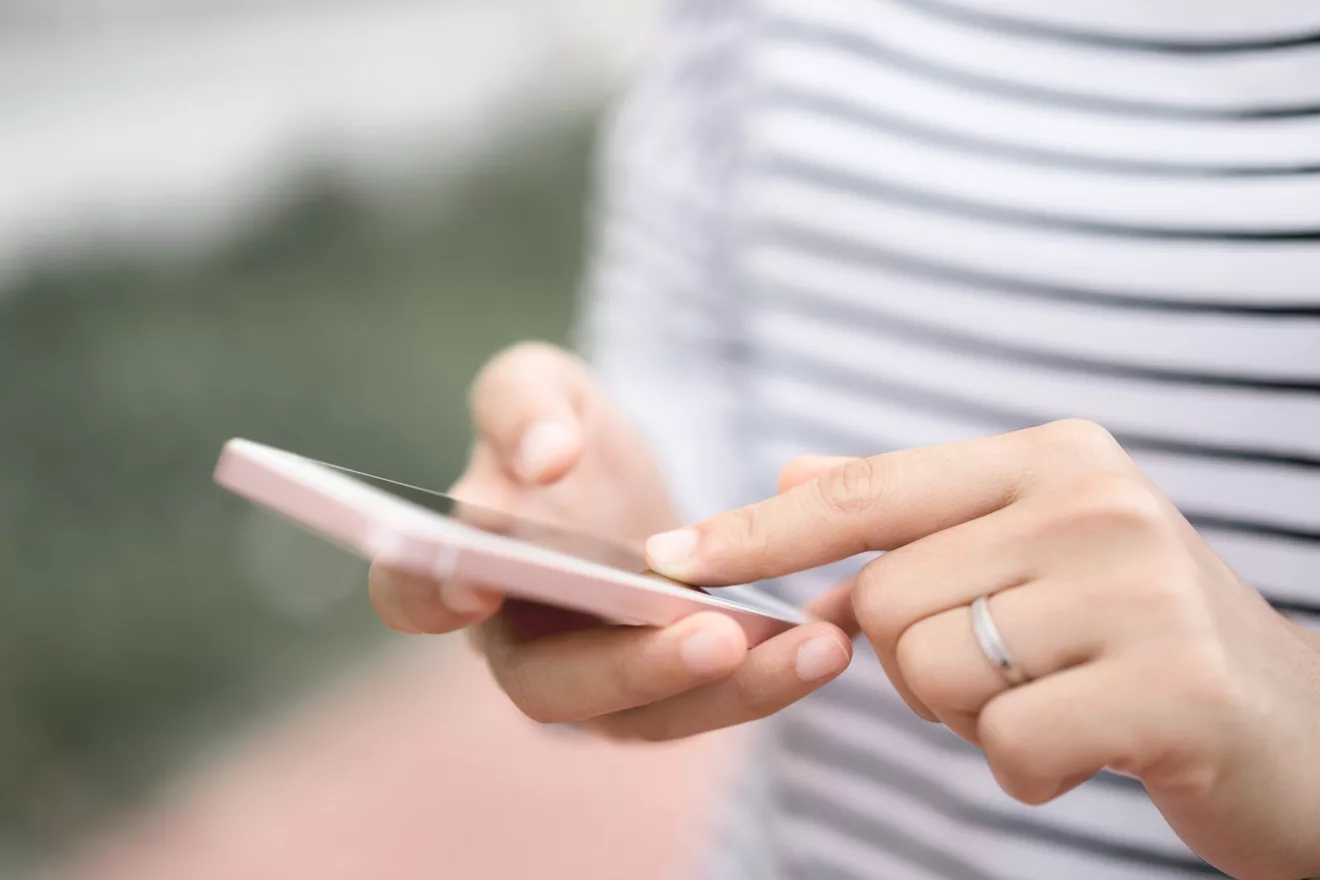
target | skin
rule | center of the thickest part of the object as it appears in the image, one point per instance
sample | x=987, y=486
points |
x=550, y=446
x=1147, y=654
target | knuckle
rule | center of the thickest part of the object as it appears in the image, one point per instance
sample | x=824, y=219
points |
x=380, y=583
x=1003, y=737
x=1012, y=755
x=742, y=528
x=1203, y=674
x=1080, y=434
x=635, y=677
x=518, y=679
x=851, y=488
x=405, y=602
x=1160, y=578
x=521, y=359
x=1168, y=591
x=1118, y=501
x=757, y=699
x=916, y=654
x=1025, y=788
x=874, y=603
x=1082, y=440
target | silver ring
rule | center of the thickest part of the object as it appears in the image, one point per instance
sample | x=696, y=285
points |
x=987, y=635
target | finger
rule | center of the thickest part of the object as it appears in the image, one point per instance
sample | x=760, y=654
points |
x=946, y=570
x=1050, y=540
x=775, y=674
x=952, y=568
x=895, y=591
x=485, y=484
x=527, y=406
x=1046, y=737
x=523, y=621
x=880, y=503
x=1046, y=628
x=836, y=607
x=413, y=603
x=572, y=676
x=808, y=467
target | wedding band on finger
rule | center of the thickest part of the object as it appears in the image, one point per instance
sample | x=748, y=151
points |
x=992, y=644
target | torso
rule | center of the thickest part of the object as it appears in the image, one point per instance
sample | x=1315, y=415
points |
x=952, y=225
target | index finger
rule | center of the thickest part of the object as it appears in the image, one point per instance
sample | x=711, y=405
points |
x=411, y=602
x=525, y=404
x=880, y=503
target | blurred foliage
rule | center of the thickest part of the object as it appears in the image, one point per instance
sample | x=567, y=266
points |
x=144, y=611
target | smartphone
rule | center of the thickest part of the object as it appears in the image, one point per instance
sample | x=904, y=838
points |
x=438, y=536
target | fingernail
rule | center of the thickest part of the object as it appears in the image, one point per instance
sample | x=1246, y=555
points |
x=821, y=657
x=708, y=653
x=462, y=599
x=545, y=443
x=670, y=553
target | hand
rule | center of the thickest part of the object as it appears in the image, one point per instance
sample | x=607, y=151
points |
x=1144, y=652
x=551, y=447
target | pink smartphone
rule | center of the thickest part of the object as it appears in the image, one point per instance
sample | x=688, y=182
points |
x=437, y=536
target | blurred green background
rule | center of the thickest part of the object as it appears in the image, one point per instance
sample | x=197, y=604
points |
x=145, y=611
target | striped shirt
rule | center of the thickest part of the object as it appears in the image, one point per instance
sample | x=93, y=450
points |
x=853, y=226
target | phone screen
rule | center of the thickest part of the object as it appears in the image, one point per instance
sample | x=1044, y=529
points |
x=620, y=554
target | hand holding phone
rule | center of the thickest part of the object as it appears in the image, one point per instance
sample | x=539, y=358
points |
x=552, y=448
x=548, y=448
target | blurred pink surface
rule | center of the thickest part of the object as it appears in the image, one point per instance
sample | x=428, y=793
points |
x=419, y=768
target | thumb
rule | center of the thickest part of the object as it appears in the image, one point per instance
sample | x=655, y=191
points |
x=526, y=405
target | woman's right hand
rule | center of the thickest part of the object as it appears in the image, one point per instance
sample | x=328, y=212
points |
x=551, y=447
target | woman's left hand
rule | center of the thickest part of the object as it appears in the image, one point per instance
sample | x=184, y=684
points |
x=1140, y=649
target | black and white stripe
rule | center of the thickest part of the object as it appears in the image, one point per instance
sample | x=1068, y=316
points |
x=853, y=226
